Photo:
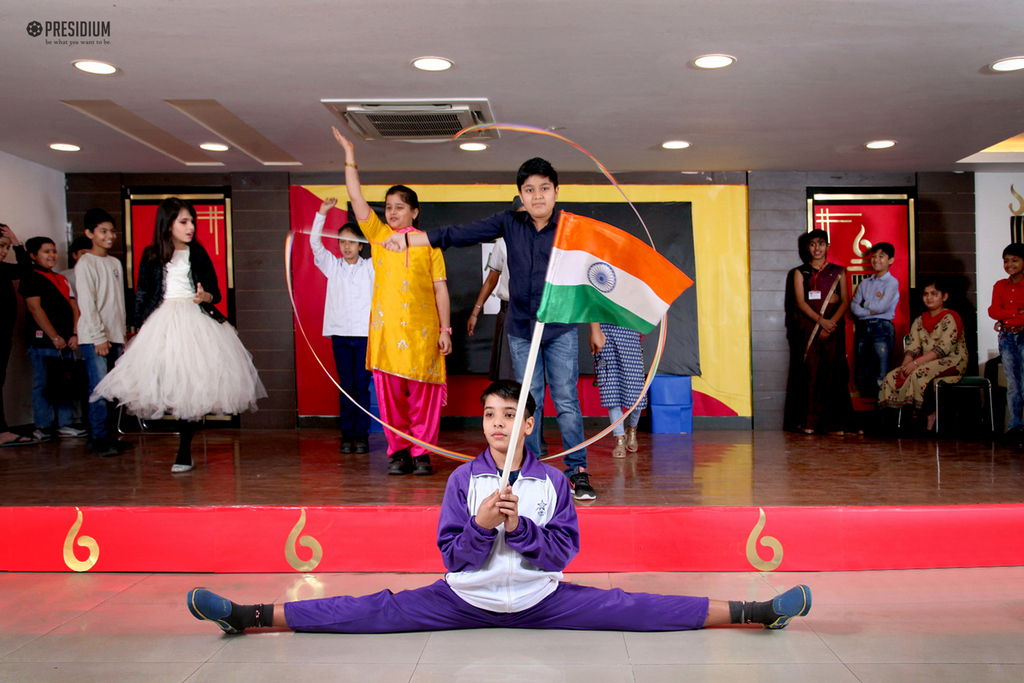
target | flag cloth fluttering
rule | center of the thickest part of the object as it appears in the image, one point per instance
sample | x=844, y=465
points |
x=600, y=274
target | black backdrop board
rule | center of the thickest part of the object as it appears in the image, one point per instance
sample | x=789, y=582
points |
x=671, y=227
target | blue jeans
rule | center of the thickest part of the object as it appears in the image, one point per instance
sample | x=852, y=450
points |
x=873, y=341
x=1011, y=350
x=42, y=409
x=632, y=420
x=559, y=360
x=354, y=378
x=97, y=367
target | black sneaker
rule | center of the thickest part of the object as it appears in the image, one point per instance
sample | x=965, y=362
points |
x=362, y=445
x=422, y=465
x=401, y=463
x=581, y=488
x=104, y=448
x=346, y=445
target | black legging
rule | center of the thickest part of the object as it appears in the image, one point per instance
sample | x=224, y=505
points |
x=186, y=431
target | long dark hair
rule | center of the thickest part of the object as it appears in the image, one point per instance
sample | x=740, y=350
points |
x=166, y=214
x=408, y=196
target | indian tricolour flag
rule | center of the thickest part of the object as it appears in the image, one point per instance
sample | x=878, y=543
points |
x=600, y=274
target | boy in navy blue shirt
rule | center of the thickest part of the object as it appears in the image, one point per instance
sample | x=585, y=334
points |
x=529, y=236
x=505, y=552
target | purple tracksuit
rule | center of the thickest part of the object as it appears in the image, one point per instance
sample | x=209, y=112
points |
x=505, y=580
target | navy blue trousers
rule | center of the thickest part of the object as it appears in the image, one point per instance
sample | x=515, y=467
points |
x=354, y=378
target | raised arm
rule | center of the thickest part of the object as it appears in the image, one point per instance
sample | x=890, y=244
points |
x=326, y=261
x=355, y=190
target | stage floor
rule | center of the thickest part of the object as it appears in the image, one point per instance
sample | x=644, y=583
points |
x=864, y=627
x=708, y=468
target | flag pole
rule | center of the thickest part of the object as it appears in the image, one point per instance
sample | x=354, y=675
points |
x=517, y=426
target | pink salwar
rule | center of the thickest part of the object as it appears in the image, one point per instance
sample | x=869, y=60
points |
x=412, y=406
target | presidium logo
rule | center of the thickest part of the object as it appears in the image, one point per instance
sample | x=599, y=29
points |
x=71, y=32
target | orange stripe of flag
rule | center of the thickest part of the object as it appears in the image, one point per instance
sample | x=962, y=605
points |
x=621, y=250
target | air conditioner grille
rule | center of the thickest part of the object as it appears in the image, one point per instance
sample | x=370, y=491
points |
x=416, y=120
x=399, y=126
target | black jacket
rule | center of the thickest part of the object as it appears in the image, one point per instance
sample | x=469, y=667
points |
x=10, y=272
x=149, y=286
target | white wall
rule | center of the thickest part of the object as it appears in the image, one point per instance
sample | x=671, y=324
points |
x=32, y=202
x=992, y=214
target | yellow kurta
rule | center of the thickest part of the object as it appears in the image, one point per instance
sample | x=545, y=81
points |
x=404, y=327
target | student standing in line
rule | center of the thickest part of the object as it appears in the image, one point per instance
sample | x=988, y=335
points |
x=52, y=332
x=1007, y=310
x=347, y=322
x=874, y=307
x=102, y=323
x=9, y=273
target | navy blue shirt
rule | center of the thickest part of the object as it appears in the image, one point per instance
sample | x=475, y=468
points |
x=528, y=253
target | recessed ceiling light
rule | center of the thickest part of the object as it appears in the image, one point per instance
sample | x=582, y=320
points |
x=64, y=147
x=432, y=63
x=213, y=147
x=675, y=144
x=713, y=61
x=473, y=146
x=880, y=144
x=1008, y=64
x=94, y=67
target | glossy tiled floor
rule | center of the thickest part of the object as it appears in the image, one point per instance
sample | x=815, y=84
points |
x=921, y=626
x=303, y=467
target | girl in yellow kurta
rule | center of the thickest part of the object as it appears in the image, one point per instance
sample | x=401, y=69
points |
x=937, y=348
x=410, y=323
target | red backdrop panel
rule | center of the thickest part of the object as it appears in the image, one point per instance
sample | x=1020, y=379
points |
x=853, y=229
x=211, y=231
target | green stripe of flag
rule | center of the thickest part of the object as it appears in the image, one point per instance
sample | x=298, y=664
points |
x=584, y=304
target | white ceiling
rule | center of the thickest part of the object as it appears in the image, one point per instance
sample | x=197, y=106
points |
x=815, y=79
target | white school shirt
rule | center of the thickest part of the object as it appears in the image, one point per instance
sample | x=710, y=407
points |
x=498, y=261
x=349, y=288
x=100, y=284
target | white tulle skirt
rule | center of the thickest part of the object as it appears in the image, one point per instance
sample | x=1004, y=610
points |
x=183, y=363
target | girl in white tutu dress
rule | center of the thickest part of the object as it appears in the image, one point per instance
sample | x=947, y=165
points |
x=185, y=360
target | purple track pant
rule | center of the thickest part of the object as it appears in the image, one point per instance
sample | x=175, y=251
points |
x=437, y=608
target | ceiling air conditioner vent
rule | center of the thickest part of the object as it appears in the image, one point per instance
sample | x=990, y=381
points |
x=414, y=120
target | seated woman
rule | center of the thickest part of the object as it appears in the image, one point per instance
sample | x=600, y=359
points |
x=936, y=348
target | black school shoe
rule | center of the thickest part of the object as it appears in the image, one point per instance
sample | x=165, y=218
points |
x=362, y=445
x=581, y=488
x=423, y=466
x=104, y=447
x=401, y=462
x=346, y=445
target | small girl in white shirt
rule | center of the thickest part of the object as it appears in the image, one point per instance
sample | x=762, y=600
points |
x=347, y=322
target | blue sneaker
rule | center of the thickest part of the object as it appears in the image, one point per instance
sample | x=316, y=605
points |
x=207, y=606
x=796, y=602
